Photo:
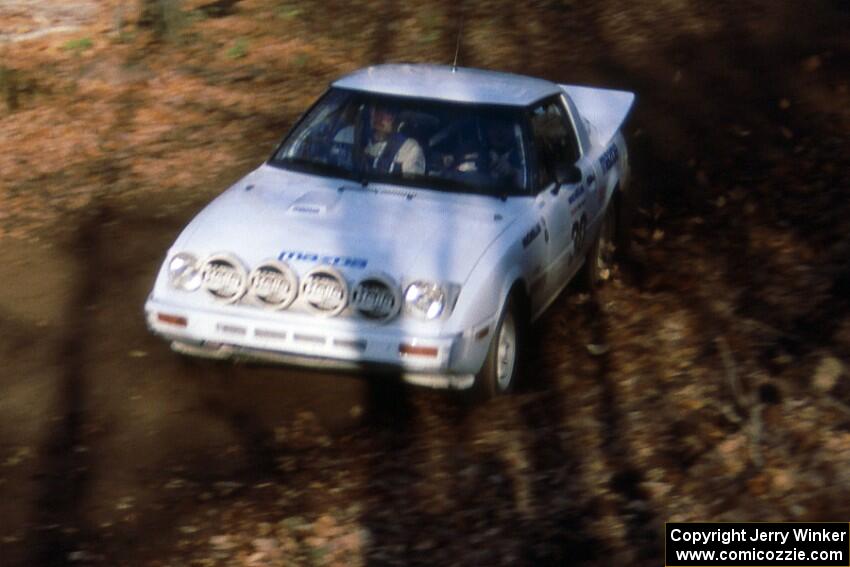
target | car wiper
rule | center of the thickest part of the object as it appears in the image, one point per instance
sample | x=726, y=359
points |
x=501, y=193
x=364, y=178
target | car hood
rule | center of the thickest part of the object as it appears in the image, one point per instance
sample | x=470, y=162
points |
x=307, y=220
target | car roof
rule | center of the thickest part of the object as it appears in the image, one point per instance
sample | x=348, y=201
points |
x=442, y=82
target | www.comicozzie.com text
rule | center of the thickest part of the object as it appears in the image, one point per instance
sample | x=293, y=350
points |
x=755, y=534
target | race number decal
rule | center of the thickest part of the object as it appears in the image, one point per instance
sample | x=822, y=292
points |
x=579, y=232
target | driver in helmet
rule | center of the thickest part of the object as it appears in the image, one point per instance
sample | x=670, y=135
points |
x=390, y=151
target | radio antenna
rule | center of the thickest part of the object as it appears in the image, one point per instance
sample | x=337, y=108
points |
x=457, y=44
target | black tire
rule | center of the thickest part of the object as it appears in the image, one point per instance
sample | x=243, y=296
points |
x=494, y=380
x=599, y=262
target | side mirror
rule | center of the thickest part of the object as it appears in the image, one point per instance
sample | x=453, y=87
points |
x=567, y=175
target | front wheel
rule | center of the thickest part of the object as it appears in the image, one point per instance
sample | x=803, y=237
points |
x=499, y=373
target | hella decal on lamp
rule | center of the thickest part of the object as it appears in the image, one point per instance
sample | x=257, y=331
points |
x=225, y=278
x=377, y=297
x=273, y=284
x=325, y=291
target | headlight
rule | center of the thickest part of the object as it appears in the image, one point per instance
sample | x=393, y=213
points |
x=184, y=272
x=429, y=300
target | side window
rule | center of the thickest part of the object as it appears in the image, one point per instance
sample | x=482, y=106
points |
x=554, y=141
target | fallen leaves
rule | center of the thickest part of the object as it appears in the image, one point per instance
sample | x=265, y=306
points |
x=18, y=456
x=223, y=542
x=597, y=349
x=812, y=64
x=827, y=373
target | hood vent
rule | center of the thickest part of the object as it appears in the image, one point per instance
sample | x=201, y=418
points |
x=314, y=203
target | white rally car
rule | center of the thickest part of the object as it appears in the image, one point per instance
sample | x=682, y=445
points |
x=416, y=218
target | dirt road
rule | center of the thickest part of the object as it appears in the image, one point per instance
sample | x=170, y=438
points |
x=108, y=435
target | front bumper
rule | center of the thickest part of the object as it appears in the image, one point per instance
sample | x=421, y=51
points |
x=443, y=361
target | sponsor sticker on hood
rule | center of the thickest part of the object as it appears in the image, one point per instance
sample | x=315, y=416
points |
x=328, y=259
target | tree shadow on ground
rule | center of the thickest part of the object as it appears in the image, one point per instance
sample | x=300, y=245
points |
x=59, y=529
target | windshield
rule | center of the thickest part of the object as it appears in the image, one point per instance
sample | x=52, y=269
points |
x=440, y=145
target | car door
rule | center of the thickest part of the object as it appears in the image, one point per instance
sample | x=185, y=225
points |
x=592, y=174
x=562, y=203
x=584, y=206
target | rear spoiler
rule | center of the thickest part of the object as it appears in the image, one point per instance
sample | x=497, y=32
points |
x=606, y=109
